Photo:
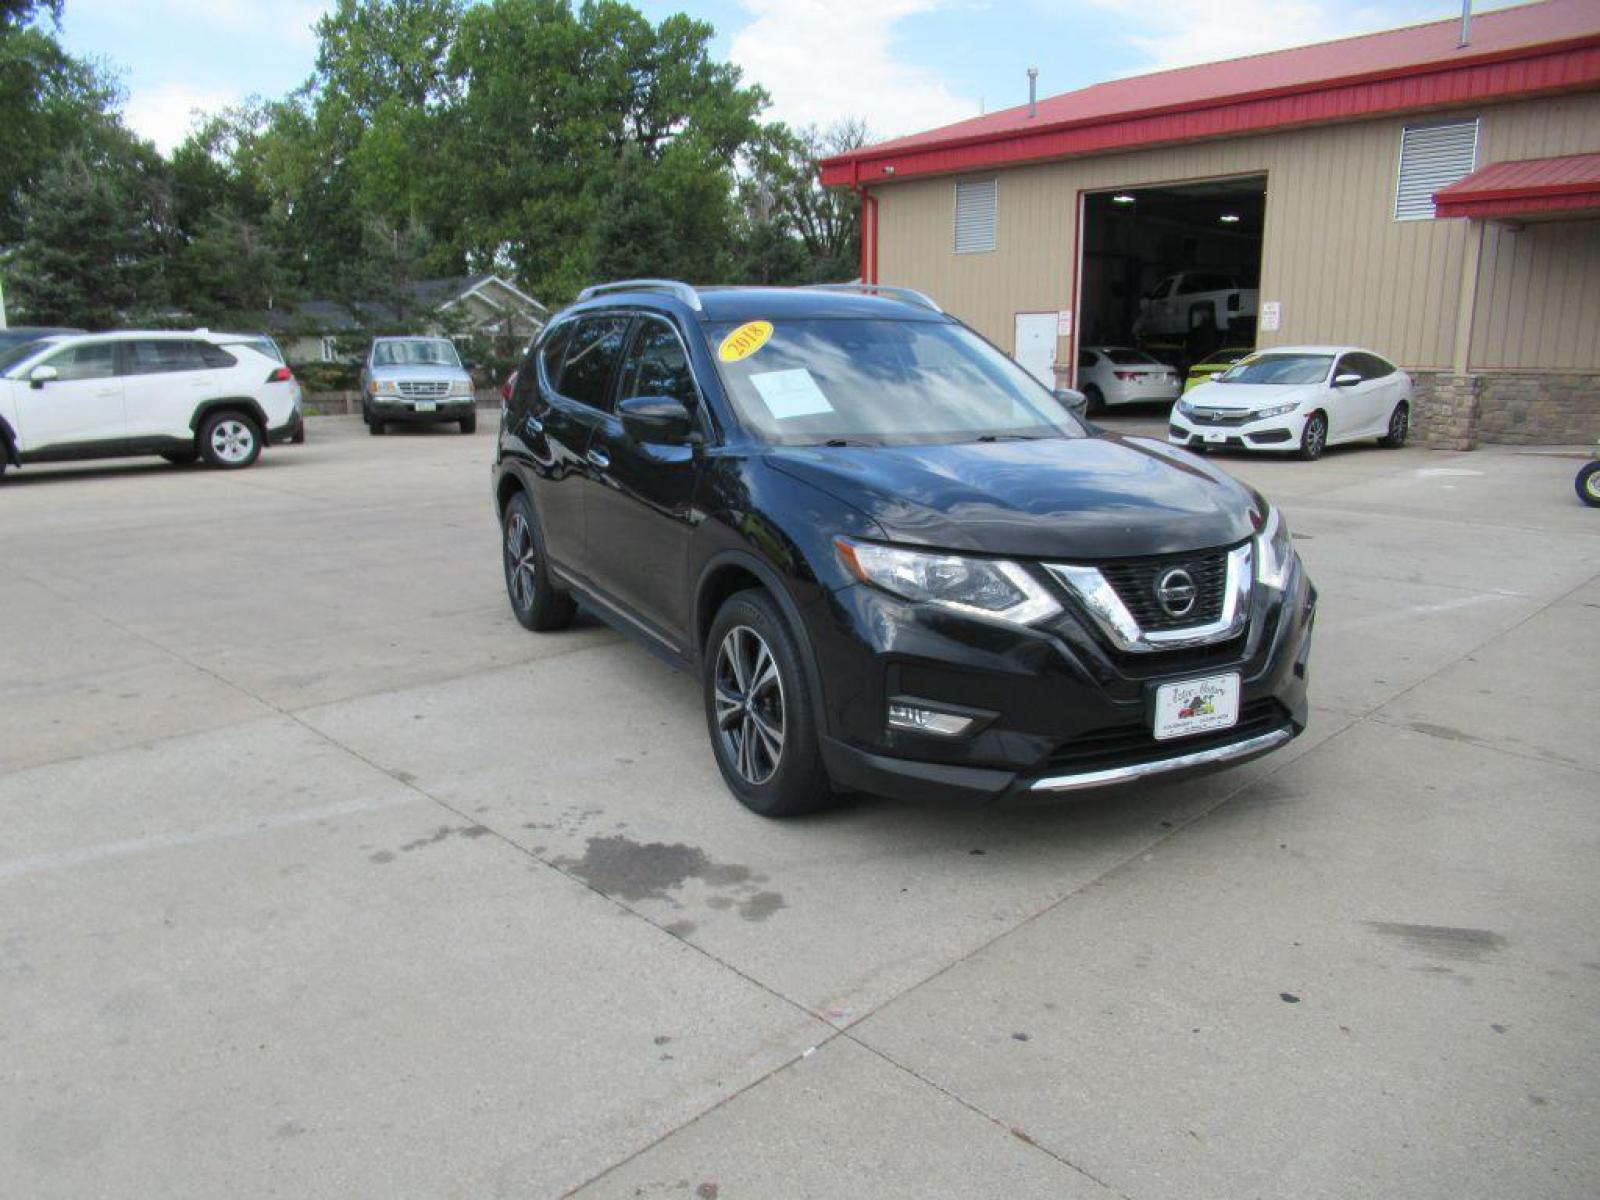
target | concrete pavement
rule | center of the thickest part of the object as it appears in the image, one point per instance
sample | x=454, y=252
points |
x=319, y=876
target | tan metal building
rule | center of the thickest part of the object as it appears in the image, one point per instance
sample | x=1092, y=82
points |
x=1334, y=155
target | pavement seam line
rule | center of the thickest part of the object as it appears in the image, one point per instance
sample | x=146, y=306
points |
x=1015, y=1131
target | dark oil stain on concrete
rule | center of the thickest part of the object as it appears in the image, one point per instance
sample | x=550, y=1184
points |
x=291, y=1129
x=1499, y=1028
x=707, y=1191
x=680, y=929
x=662, y=1039
x=1020, y=1037
x=1442, y=941
x=1537, y=1101
x=1444, y=731
x=619, y=866
x=383, y=856
x=1288, y=997
x=405, y=776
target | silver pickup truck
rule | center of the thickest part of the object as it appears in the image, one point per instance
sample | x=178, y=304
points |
x=416, y=379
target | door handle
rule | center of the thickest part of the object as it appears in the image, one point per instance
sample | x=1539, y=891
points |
x=600, y=459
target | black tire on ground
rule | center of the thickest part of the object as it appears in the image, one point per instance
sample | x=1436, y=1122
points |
x=469, y=424
x=1399, y=427
x=758, y=710
x=230, y=440
x=536, y=602
x=374, y=426
x=1587, y=483
x=1094, y=403
x=1314, y=437
x=181, y=458
x=299, y=438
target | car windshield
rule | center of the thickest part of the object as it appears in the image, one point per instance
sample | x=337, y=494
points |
x=880, y=382
x=415, y=352
x=1279, y=368
x=1124, y=358
x=14, y=352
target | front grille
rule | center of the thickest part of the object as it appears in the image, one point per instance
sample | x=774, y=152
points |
x=1119, y=745
x=1136, y=580
x=1219, y=417
x=431, y=389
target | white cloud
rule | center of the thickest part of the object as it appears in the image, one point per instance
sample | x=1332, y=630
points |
x=166, y=113
x=822, y=60
x=1180, y=33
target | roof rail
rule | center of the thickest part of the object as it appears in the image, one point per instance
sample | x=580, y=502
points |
x=674, y=286
x=908, y=295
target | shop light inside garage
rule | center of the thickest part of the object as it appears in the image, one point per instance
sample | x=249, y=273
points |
x=1122, y=198
x=1229, y=218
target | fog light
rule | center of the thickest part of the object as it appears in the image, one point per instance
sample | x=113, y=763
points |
x=927, y=720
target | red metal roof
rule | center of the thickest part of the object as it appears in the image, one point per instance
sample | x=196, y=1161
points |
x=1534, y=48
x=1524, y=187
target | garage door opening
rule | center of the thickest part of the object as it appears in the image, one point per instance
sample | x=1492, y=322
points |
x=1174, y=270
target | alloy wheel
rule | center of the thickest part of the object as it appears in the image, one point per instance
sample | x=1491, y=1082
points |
x=522, y=562
x=750, y=712
x=1399, y=426
x=232, y=440
x=1315, y=437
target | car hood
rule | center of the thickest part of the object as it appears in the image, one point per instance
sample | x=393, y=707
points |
x=1070, y=498
x=1241, y=397
x=419, y=371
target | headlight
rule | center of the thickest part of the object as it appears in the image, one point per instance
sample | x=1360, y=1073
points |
x=1185, y=408
x=978, y=587
x=1274, y=551
x=461, y=387
x=1277, y=410
x=383, y=387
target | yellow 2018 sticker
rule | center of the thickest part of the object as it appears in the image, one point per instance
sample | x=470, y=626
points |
x=744, y=341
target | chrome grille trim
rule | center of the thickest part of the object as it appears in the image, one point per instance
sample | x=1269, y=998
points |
x=1099, y=599
x=429, y=389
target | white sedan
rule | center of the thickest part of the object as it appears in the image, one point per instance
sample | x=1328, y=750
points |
x=1113, y=375
x=1297, y=398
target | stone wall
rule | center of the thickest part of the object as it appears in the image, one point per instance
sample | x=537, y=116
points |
x=1458, y=412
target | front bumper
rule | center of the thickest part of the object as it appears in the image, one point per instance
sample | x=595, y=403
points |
x=1273, y=433
x=1063, y=710
x=398, y=408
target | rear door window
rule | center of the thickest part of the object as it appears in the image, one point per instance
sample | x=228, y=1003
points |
x=591, y=361
x=170, y=355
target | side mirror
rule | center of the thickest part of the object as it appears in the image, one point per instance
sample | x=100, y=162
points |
x=657, y=419
x=40, y=376
x=1347, y=380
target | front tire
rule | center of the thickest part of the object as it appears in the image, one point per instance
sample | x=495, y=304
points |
x=1587, y=483
x=1399, y=427
x=1314, y=437
x=469, y=424
x=758, y=710
x=230, y=441
x=535, y=601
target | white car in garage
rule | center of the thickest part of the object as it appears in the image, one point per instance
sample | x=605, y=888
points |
x=1297, y=398
x=1113, y=375
x=184, y=396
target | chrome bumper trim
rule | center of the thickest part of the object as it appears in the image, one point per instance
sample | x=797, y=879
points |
x=1200, y=758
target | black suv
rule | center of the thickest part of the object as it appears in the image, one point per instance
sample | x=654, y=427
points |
x=898, y=564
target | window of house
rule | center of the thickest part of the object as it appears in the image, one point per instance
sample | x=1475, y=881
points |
x=975, y=215
x=1432, y=157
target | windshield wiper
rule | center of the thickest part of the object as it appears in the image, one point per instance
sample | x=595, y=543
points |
x=849, y=442
x=1010, y=437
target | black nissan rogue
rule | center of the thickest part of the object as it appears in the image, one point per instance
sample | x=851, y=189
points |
x=896, y=562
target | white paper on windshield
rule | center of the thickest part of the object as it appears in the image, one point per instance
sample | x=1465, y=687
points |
x=790, y=393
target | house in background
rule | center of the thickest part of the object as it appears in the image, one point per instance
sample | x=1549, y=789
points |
x=472, y=306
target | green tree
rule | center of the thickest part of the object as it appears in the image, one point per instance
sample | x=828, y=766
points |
x=93, y=250
x=781, y=198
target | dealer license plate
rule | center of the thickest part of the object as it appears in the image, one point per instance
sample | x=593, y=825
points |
x=1216, y=435
x=1197, y=706
x=427, y=406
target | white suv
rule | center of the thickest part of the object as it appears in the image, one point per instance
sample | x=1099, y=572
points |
x=217, y=396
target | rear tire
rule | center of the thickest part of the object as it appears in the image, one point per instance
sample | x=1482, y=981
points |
x=758, y=710
x=230, y=440
x=1587, y=483
x=535, y=601
x=469, y=424
x=1094, y=402
x=1399, y=427
x=1314, y=437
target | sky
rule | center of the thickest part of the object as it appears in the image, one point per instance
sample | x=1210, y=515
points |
x=902, y=65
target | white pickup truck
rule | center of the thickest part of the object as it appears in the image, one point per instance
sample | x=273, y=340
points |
x=1195, y=301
